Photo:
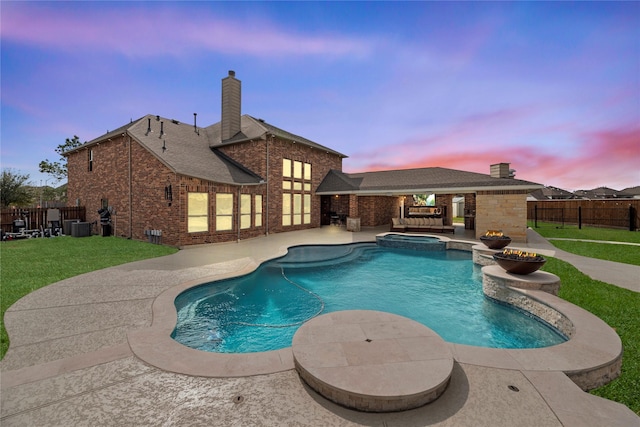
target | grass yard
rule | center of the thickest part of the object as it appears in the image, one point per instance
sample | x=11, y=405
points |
x=27, y=265
x=628, y=254
x=618, y=253
x=587, y=233
x=619, y=308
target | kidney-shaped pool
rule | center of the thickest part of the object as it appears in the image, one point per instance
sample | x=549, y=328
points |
x=441, y=289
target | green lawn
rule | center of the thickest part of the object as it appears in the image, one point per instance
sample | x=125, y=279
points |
x=628, y=254
x=619, y=253
x=27, y=265
x=616, y=306
x=587, y=233
x=619, y=308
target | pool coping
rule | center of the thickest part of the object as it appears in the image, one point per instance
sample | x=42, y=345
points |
x=591, y=357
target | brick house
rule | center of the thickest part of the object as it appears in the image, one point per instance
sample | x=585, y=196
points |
x=243, y=177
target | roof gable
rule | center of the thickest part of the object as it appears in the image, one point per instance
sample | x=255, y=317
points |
x=252, y=129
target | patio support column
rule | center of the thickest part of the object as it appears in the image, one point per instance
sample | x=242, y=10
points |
x=354, y=212
x=353, y=220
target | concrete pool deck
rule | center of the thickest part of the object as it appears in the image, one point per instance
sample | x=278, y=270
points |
x=70, y=362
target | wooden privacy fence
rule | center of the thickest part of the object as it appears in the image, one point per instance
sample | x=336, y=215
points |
x=36, y=218
x=618, y=213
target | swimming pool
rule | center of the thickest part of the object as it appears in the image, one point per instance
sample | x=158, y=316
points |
x=441, y=289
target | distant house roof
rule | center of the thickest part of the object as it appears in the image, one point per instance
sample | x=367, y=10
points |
x=416, y=181
x=634, y=191
x=552, y=193
x=603, y=193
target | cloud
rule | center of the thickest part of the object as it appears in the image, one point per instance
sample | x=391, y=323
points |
x=604, y=157
x=163, y=30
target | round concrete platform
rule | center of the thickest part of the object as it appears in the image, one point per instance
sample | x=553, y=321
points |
x=372, y=361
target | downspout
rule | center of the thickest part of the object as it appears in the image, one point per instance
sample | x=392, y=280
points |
x=130, y=193
x=239, y=213
x=267, y=178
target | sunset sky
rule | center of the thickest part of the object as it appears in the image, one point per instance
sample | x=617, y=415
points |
x=551, y=87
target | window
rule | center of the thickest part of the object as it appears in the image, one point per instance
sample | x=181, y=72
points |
x=297, y=170
x=286, y=209
x=307, y=209
x=307, y=172
x=258, y=210
x=90, y=160
x=224, y=211
x=245, y=211
x=197, y=212
x=286, y=168
x=297, y=209
x=296, y=198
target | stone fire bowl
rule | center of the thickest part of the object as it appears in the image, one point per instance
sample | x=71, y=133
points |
x=520, y=266
x=495, y=242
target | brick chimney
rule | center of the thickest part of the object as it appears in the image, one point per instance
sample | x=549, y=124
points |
x=501, y=170
x=230, y=106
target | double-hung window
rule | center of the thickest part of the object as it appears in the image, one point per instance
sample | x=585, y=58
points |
x=245, y=211
x=224, y=211
x=197, y=212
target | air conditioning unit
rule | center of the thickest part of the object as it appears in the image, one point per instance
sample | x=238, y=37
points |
x=81, y=229
x=66, y=226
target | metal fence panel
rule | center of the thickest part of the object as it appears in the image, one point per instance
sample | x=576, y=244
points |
x=621, y=214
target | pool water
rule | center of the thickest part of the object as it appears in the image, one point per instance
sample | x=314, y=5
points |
x=441, y=289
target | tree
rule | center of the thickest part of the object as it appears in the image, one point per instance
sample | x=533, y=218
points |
x=13, y=190
x=59, y=169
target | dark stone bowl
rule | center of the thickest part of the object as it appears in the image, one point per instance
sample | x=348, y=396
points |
x=519, y=266
x=495, y=242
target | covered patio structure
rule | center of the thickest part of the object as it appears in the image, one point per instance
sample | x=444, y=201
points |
x=496, y=201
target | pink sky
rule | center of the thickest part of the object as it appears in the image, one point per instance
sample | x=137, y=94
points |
x=551, y=88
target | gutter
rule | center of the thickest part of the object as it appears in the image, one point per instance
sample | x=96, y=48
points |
x=446, y=190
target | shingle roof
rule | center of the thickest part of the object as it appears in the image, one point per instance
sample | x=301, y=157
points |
x=555, y=193
x=603, y=193
x=252, y=128
x=195, y=154
x=422, y=180
x=634, y=191
x=336, y=181
x=186, y=151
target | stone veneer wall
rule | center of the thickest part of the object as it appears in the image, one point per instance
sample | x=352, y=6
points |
x=504, y=210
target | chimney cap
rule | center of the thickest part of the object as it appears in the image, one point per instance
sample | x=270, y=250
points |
x=232, y=73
